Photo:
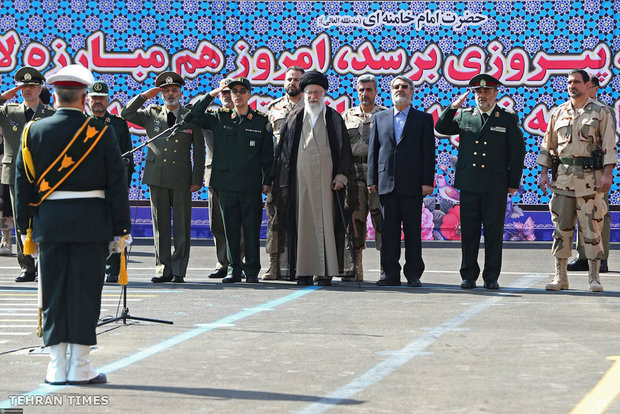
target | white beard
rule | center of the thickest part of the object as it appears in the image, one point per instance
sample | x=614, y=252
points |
x=400, y=100
x=314, y=109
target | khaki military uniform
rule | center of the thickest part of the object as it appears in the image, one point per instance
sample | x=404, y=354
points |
x=277, y=111
x=169, y=173
x=573, y=134
x=12, y=121
x=362, y=202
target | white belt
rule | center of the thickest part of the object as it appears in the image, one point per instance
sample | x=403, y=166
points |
x=65, y=195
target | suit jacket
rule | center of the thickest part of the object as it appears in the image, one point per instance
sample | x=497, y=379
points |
x=12, y=121
x=168, y=162
x=404, y=167
x=490, y=157
x=73, y=220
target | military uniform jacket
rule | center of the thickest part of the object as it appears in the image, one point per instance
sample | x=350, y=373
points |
x=358, y=125
x=168, y=161
x=277, y=111
x=12, y=121
x=79, y=219
x=490, y=158
x=242, y=147
x=124, y=139
x=575, y=133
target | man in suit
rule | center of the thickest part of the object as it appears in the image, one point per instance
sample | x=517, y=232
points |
x=241, y=170
x=71, y=194
x=98, y=101
x=401, y=168
x=490, y=163
x=13, y=117
x=168, y=172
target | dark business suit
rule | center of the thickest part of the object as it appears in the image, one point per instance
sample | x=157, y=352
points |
x=490, y=161
x=400, y=170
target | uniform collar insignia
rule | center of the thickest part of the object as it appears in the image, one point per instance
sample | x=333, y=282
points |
x=233, y=115
x=250, y=116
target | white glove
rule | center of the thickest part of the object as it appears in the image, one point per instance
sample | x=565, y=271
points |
x=115, y=245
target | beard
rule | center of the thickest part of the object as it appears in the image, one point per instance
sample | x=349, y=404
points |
x=97, y=107
x=172, y=101
x=314, y=109
x=400, y=100
x=292, y=90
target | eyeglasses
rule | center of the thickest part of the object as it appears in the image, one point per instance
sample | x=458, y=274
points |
x=313, y=92
x=239, y=91
x=400, y=86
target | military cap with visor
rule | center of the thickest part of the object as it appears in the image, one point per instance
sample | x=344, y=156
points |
x=484, y=81
x=169, y=78
x=28, y=76
x=240, y=81
x=72, y=76
x=98, y=88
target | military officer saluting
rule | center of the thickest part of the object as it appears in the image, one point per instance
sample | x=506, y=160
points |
x=490, y=164
x=241, y=170
x=98, y=101
x=358, y=120
x=168, y=172
x=13, y=117
x=70, y=195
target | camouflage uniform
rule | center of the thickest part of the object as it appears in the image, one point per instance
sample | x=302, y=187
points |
x=277, y=112
x=574, y=134
x=361, y=202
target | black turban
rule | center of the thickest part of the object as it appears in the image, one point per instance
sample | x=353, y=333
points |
x=313, y=77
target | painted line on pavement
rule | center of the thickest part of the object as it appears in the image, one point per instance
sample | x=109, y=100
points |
x=45, y=389
x=604, y=393
x=396, y=359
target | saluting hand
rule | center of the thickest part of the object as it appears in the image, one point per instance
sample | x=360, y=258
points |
x=151, y=93
x=10, y=93
x=459, y=102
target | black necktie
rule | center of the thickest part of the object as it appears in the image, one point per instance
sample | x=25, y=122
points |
x=29, y=114
x=485, y=118
x=171, y=119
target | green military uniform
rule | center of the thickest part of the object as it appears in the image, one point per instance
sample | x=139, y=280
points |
x=360, y=199
x=123, y=137
x=490, y=160
x=12, y=121
x=169, y=174
x=242, y=161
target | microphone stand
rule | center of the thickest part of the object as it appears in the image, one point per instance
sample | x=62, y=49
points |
x=124, y=316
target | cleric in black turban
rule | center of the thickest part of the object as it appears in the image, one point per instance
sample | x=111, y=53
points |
x=313, y=77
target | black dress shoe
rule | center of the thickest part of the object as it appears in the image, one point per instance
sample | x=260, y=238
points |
x=491, y=285
x=324, y=282
x=55, y=382
x=414, y=283
x=388, y=282
x=468, y=284
x=99, y=379
x=178, y=279
x=111, y=278
x=251, y=279
x=305, y=281
x=603, y=268
x=231, y=279
x=578, y=265
x=219, y=273
x=161, y=279
x=26, y=277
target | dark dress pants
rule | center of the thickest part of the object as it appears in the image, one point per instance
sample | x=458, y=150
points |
x=477, y=210
x=242, y=210
x=397, y=209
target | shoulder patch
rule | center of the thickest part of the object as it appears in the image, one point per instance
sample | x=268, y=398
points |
x=468, y=109
x=223, y=109
x=275, y=101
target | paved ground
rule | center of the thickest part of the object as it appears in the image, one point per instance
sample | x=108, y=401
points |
x=273, y=347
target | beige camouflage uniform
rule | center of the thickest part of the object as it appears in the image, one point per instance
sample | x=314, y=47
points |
x=361, y=201
x=572, y=134
x=277, y=112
